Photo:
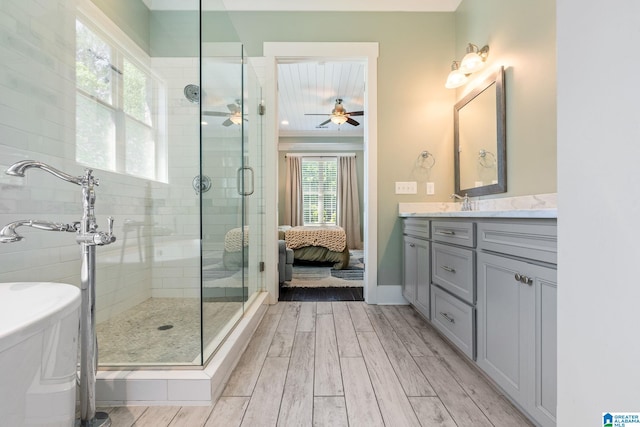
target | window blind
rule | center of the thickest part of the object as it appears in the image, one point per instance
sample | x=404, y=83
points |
x=319, y=191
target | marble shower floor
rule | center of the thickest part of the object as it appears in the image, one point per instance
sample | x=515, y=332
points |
x=162, y=331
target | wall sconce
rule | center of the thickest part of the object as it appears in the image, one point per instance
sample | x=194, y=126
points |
x=473, y=61
x=456, y=77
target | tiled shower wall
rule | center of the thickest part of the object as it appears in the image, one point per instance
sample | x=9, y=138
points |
x=156, y=224
x=37, y=120
x=176, y=216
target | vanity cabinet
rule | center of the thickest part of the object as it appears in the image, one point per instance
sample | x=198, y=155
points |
x=453, y=279
x=516, y=303
x=416, y=269
x=493, y=295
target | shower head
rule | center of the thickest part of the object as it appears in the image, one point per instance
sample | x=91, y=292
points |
x=192, y=93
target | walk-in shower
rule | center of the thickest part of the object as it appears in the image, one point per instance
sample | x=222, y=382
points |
x=186, y=264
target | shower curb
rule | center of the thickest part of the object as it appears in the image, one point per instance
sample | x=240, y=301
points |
x=182, y=387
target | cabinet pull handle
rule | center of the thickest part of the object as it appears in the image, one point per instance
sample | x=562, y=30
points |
x=449, y=318
x=524, y=279
x=449, y=269
x=447, y=232
x=413, y=245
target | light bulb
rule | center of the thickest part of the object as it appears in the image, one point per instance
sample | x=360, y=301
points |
x=338, y=119
x=456, y=78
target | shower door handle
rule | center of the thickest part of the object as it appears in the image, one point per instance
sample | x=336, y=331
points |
x=242, y=173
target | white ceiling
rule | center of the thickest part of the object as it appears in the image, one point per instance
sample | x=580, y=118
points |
x=312, y=87
x=307, y=5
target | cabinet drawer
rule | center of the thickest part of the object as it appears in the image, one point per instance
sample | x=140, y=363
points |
x=418, y=227
x=455, y=319
x=458, y=233
x=533, y=241
x=454, y=270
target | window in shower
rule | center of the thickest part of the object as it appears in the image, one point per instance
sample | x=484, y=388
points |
x=118, y=120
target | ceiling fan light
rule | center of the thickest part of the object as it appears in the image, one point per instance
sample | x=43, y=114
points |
x=339, y=119
x=236, y=119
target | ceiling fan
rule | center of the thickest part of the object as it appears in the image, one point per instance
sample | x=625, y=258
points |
x=234, y=116
x=339, y=115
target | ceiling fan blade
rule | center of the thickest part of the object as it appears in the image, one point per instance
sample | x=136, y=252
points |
x=227, y=123
x=355, y=113
x=324, y=123
x=215, y=113
x=234, y=108
x=352, y=122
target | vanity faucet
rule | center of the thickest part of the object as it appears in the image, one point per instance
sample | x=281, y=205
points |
x=466, y=204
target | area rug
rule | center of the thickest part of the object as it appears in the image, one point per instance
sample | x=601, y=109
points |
x=318, y=275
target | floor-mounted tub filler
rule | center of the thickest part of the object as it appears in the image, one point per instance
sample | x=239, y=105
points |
x=88, y=238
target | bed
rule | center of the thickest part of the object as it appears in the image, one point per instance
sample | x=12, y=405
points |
x=317, y=244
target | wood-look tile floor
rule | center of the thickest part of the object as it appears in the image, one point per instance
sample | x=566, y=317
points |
x=343, y=363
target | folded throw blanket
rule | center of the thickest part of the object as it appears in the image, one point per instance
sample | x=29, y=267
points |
x=330, y=237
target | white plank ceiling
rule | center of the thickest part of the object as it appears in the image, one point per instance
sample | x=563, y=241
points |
x=312, y=87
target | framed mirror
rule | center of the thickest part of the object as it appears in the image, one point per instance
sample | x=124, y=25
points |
x=479, y=135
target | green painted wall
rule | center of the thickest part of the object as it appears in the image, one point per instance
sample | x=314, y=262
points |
x=176, y=33
x=132, y=16
x=521, y=35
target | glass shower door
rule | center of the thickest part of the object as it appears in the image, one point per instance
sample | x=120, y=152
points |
x=233, y=208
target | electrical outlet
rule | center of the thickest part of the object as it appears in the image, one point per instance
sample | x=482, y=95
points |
x=409, y=187
x=431, y=188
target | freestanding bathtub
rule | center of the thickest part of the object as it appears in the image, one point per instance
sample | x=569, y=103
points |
x=39, y=325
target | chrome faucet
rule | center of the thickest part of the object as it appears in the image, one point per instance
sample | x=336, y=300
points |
x=8, y=234
x=466, y=204
x=88, y=238
x=18, y=169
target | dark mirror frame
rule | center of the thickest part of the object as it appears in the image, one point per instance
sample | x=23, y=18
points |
x=496, y=78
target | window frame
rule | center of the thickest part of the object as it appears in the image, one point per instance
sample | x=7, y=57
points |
x=124, y=49
x=320, y=193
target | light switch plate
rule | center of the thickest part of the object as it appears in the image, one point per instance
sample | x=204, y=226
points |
x=431, y=188
x=408, y=187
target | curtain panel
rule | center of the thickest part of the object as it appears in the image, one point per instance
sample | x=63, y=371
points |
x=293, y=192
x=348, y=201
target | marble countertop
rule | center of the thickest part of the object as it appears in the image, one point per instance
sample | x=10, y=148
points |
x=533, y=206
x=511, y=213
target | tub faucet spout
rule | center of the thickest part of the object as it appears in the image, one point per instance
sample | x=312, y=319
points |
x=19, y=168
x=8, y=234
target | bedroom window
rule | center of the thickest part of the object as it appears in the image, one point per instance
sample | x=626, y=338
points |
x=319, y=190
x=117, y=109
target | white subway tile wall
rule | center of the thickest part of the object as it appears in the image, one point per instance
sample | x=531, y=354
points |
x=157, y=224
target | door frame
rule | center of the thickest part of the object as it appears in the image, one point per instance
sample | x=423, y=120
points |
x=341, y=51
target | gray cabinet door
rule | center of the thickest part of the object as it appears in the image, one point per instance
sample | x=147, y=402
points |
x=417, y=273
x=423, y=277
x=410, y=273
x=517, y=331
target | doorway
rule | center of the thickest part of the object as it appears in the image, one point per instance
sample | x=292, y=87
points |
x=365, y=53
